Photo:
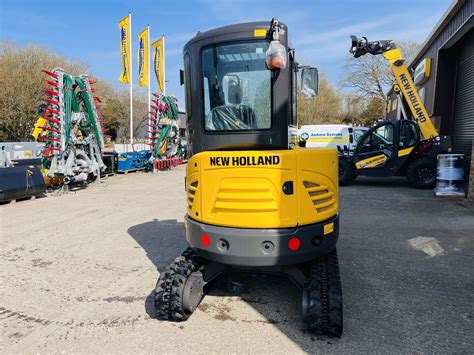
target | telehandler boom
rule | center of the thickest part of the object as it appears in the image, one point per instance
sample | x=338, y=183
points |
x=396, y=147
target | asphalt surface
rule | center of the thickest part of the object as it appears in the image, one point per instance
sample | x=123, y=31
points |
x=77, y=273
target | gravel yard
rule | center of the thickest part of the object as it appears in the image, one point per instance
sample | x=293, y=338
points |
x=78, y=270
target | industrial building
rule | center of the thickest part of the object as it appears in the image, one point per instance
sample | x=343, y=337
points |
x=443, y=71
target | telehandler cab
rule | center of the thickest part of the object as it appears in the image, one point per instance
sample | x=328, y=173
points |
x=253, y=204
x=395, y=147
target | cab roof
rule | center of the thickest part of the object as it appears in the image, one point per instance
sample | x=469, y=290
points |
x=229, y=29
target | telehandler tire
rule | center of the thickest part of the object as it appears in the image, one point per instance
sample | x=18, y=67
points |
x=346, y=172
x=421, y=173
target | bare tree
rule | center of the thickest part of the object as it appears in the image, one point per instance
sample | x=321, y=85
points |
x=370, y=76
x=351, y=108
x=325, y=108
x=21, y=85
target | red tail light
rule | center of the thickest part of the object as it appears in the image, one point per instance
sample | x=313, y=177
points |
x=294, y=244
x=205, y=240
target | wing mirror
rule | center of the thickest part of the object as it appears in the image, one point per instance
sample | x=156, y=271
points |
x=309, y=82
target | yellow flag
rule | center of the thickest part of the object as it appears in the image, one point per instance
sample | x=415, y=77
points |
x=158, y=56
x=143, y=58
x=124, y=26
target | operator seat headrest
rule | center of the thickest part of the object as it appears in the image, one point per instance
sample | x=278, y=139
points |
x=234, y=93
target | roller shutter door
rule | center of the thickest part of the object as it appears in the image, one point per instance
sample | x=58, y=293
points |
x=463, y=124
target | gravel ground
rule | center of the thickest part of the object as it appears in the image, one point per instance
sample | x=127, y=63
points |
x=77, y=273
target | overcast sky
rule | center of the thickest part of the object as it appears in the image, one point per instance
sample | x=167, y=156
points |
x=87, y=30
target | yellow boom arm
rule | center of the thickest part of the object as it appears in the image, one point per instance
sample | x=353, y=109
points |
x=360, y=47
x=408, y=88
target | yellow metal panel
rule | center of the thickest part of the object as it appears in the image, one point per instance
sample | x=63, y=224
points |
x=406, y=151
x=260, y=32
x=317, y=188
x=393, y=55
x=422, y=71
x=193, y=187
x=329, y=228
x=39, y=127
x=244, y=189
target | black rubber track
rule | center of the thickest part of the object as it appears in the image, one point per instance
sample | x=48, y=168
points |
x=170, y=285
x=324, y=314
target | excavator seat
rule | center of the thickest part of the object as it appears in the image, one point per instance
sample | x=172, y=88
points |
x=233, y=116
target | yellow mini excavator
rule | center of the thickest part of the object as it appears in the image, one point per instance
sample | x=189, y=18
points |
x=253, y=203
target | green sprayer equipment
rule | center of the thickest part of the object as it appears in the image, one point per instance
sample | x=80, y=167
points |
x=71, y=127
x=163, y=132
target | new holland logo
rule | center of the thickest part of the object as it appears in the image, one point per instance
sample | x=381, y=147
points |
x=245, y=161
x=413, y=97
x=156, y=61
x=140, y=57
x=372, y=162
x=123, y=40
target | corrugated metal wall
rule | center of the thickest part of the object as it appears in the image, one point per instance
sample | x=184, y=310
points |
x=461, y=16
x=463, y=122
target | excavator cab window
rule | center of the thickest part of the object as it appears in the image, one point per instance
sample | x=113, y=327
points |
x=236, y=87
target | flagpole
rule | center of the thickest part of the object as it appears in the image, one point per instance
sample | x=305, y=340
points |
x=131, y=80
x=164, y=67
x=150, y=135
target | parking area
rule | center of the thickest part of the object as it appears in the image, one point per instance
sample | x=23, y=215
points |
x=77, y=274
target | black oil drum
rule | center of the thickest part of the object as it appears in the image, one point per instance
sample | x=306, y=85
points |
x=450, y=175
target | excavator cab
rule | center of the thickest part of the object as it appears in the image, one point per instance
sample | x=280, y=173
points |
x=233, y=99
x=254, y=204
